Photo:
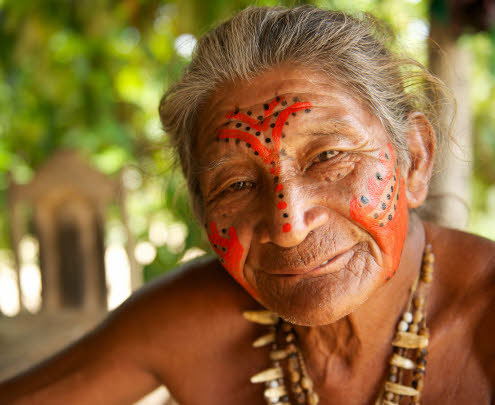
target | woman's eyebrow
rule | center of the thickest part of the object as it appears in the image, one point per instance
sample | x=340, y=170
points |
x=211, y=165
x=334, y=128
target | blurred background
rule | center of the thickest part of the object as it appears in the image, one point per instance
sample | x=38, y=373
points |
x=91, y=203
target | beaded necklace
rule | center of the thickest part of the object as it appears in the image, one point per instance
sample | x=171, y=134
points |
x=407, y=363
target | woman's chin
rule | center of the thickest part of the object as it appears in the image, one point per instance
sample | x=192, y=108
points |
x=315, y=301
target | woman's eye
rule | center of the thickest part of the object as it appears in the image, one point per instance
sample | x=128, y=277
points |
x=241, y=185
x=324, y=156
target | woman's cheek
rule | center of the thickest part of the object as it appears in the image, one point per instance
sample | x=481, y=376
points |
x=227, y=246
x=382, y=210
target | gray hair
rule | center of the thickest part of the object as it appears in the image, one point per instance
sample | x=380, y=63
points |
x=352, y=51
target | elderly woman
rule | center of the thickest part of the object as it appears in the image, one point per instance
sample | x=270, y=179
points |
x=305, y=157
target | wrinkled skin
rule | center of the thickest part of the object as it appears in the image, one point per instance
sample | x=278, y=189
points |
x=338, y=180
x=333, y=171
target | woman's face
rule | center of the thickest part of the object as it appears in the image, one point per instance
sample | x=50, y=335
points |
x=303, y=194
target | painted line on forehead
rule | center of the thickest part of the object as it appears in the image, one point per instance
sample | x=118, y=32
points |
x=262, y=125
x=282, y=118
x=270, y=156
x=265, y=153
x=252, y=122
x=276, y=101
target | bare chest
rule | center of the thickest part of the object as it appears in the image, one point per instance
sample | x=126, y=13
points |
x=453, y=376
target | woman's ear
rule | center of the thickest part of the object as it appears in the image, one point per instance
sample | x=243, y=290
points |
x=421, y=142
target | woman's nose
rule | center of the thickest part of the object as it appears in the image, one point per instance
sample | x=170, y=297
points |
x=290, y=216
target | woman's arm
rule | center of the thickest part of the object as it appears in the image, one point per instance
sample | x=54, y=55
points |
x=107, y=366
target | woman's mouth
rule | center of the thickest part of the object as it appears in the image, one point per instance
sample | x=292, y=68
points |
x=331, y=265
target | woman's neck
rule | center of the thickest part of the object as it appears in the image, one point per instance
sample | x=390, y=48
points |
x=363, y=338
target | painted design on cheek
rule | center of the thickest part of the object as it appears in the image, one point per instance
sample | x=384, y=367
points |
x=263, y=136
x=230, y=252
x=383, y=210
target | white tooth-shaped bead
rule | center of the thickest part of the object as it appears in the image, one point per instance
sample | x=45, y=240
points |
x=306, y=383
x=402, y=362
x=313, y=399
x=267, y=375
x=410, y=340
x=400, y=389
x=275, y=393
x=264, y=340
x=262, y=317
x=278, y=355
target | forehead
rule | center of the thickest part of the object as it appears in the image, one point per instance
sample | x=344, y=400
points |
x=331, y=103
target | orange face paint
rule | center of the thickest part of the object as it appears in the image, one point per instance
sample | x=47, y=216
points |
x=230, y=252
x=262, y=135
x=383, y=210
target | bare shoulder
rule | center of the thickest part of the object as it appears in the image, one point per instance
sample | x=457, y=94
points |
x=465, y=261
x=187, y=316
x=165, y=332
x=199, y=287
x=464, y=291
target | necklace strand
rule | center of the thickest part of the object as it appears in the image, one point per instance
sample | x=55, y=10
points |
x=407, y=363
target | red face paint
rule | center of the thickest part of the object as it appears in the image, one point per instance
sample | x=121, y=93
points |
x=230, y=252
x=263, y=135
x=383, y=210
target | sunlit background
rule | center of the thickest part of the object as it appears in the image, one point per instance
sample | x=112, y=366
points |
x=88, y=75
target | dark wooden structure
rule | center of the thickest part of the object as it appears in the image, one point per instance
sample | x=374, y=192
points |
x=68, y=199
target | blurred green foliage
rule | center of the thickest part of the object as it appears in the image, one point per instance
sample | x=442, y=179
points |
x=89, y=75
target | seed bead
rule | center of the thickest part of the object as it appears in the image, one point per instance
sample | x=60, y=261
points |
x=413, y=328
x=417, y=317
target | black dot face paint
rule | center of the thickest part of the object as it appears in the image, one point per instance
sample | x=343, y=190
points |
x=271, y=123
x=381, y=212
x=229, y=251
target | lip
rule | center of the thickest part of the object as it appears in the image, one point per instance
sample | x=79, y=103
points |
x=330, y=265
